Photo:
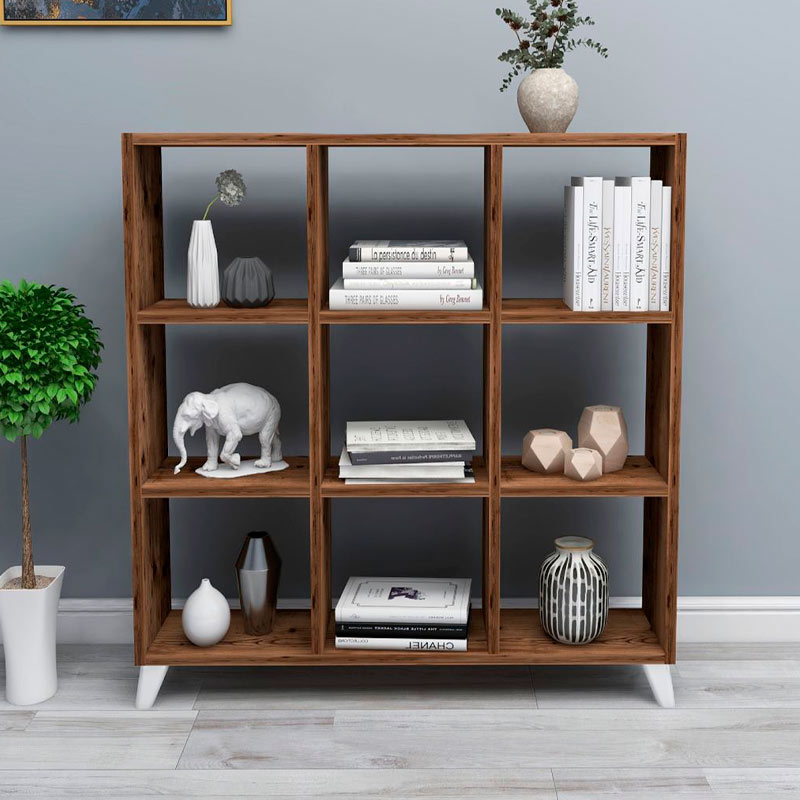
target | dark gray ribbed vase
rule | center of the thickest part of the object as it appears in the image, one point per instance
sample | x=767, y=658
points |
x=258, y=570
x=247, y=283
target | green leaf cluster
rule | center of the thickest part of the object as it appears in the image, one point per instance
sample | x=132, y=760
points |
x=49, y=351
x=545, y=38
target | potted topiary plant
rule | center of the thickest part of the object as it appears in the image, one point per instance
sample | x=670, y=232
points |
x=548, y=97
x=49, y=350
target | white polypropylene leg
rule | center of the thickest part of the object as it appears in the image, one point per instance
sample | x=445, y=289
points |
x=660, y=679
x=150, y=680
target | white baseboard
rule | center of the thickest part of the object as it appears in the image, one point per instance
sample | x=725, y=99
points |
x=700, y=619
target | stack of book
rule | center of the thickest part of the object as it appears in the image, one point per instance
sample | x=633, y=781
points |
x=430, y=451
x=409, y=276
x=404, y=614
x=617, y=237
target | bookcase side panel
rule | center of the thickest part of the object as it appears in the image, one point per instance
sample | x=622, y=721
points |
x=318, y=393
x=147, y=416
x=492, y=381
x=663, y=419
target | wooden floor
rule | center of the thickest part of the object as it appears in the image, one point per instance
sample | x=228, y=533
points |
x=567, y=733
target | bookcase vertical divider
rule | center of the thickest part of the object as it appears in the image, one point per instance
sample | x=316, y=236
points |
x=318, y=394
x=147, y=415
x=492, y=379
x=663, y=420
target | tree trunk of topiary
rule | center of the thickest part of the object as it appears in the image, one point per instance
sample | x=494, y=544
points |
x=28, y=575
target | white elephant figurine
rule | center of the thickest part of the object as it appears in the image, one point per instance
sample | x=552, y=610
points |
x=232, y=411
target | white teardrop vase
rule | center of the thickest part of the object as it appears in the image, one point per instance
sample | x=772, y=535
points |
x=206, y=615
x=202, y=279
x=548, y=100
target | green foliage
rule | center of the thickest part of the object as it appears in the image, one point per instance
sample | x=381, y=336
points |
x=49, y=350
x=544, y=40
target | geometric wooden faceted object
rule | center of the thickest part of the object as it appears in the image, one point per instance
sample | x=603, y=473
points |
x=583, y=464
x=603, y=428
x=543, y=450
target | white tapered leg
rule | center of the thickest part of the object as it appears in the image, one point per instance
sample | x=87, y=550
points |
x=150, y=680
x=660, y=679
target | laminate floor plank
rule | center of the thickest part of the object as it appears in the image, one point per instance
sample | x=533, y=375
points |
x=632, y=784
x=320, y=784
x=367, y=687
x=97, y=740
x=512, y=739
x=754, y=784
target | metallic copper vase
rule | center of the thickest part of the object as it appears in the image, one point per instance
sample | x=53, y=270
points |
x=258, y=570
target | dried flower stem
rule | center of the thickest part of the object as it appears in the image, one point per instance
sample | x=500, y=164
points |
x=208, y=207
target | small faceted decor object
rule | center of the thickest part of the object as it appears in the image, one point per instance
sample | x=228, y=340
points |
x=548, y=97
x=573, y=592
x=583, y=464
x=603, y=428
x=233, y=411
x=202, y=277
x=247, y=283
x=206, y=616
x=258, y=571
x=543, y=450
x=50, y=353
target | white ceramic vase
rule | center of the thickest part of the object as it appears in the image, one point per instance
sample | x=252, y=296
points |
x=573, y=592
x=206, y=615
x=548, y=100
x=28, y=632
x=202, y=281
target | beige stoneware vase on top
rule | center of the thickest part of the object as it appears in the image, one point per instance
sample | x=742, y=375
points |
x=548, y=100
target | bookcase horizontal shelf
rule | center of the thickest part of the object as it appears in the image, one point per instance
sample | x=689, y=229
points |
x=404, y=140
x=638, y=478
x=179, y=312
x=334, y=486
x=553, y=311
x=292, y=482
x=627, y=639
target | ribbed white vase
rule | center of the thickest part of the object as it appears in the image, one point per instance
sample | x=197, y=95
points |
x=202, y=280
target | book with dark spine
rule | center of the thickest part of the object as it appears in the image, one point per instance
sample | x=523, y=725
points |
x=408, y=250
x=410, y=456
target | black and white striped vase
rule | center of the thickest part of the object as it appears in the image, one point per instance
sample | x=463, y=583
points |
x=573, y=592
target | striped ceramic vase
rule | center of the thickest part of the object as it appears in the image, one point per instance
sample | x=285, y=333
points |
x=202, y=277
x=573, y=592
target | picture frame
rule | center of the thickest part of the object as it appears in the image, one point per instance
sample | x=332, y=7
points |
x=7, y=5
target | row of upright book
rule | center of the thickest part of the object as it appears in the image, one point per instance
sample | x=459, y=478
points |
x=397, y=452
x=407, y=276
x=425, y=614
x=617, y=236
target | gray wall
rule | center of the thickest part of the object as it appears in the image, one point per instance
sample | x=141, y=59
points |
x=366, y=66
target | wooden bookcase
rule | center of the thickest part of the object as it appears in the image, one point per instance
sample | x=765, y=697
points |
x=497, y=636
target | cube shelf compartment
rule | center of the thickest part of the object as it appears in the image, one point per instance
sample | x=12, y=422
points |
x=498, y=636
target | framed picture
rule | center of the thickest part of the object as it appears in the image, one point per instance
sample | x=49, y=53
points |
x=116, y=12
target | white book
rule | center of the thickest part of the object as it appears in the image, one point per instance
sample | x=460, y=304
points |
x=621, y=290
x=386, y=643
x=607, y=249
x=666, y=248
x=450, y=469
x=592, y=241
x=410, y=283
x=442, y=600
x=408, y=250
x=406, y=435
x=573, y=247
x=408, y=269
x=640, y=241
x=654, y=271
x=403, y=481
x=341, y=299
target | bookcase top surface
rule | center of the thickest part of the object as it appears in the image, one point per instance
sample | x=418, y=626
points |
x=404, y=139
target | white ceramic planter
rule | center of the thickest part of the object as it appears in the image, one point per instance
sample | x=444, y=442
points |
x=202, y=278
x=548, y=100
x=28, y=630
x=206, y=616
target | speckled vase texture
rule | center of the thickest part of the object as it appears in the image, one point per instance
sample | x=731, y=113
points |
x=548, y=100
